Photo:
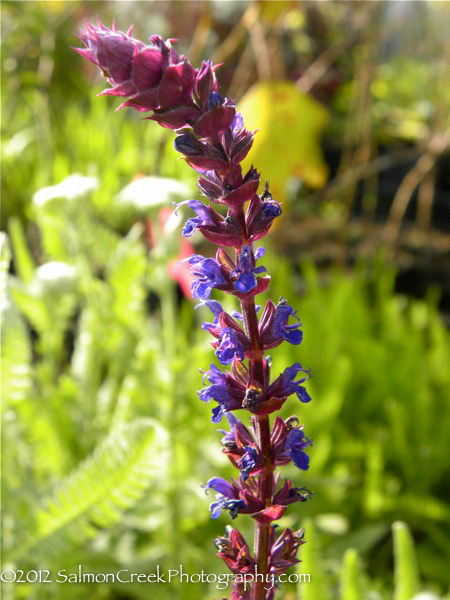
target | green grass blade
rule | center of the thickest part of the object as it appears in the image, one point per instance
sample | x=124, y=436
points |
x=406, y=573
x=351, y=577
x=23, y=261
x=311, y=564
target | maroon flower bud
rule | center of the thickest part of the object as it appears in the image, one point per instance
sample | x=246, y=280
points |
x=215, y=121
x=245, y=192
x=278, y=441
x=284, y=550
x=111, y=50
x=205, y=82
x=241, y=145
x=176, y=118
x=207, y=163
x=188, y=145
x=234, y=551
x=210, y=186
x=289, y=495
x=228, y=234
x=154, y=77
x=260, y=216
x=240, y=592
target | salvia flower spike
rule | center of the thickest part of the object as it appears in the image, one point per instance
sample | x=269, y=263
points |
x=212, y=139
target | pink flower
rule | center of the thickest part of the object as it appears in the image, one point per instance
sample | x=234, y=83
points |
x=177, y=272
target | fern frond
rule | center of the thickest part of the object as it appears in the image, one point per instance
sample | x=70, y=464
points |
x=112, y=480
x=97, y=240
x=125, y=273
x=15, y=342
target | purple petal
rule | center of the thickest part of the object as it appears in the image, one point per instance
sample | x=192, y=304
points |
x=245, y=283
x=221, y=486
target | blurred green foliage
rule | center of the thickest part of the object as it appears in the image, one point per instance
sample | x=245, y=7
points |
x=105, y=443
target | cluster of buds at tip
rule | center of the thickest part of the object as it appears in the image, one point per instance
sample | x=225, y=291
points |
x=212, y=139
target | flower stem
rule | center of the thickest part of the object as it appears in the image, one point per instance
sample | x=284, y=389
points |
x=262, y=431
x=265, y=485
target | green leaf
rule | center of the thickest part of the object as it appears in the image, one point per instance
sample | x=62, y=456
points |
x=311, y=564
x=23, y=260
x=352, y=587
x=406, y=574
x=288, y=141
x=110, y=481
x=125, y=274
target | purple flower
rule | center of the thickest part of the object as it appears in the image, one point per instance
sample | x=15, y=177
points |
x=216, y=309
x=225, y=389
x=232, y=342
x=240, y=447
x=214, y=100
x=218, y=390
x=204, y=217
x=223, y=231
x=229, y=437
x=285, y=384
x=226, y=499
x=292, y=386
x=202, y=156
x=290, y=333
x=273, y=325
x=222, y=486
x=242, y=189
x=113, y=51
x=248, y=462
x=246, y=271
x=289, y=495
x=296, y=442
x=208, y=274
x=238, y=123
x=271, y=209
x=229, y=346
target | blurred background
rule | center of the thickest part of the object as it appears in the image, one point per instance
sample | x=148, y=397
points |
x=105, y=443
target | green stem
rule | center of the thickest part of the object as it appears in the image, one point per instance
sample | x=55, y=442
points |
x=170, y=413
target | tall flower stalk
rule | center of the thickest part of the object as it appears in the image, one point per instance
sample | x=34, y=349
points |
x=211, y=136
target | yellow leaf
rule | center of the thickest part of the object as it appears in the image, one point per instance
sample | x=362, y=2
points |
x=288, y=143
x=272, y=11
